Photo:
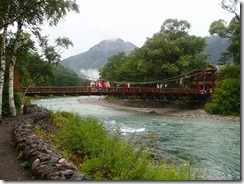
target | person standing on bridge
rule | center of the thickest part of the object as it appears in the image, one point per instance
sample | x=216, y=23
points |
x=100, y=86
x=126, y=86
x=161, y=87
x=107, y=85
x=104, y=85
x=92, y=85
x=96, y=85
x=117, y=87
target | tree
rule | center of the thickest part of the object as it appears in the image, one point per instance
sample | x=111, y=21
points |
x=59, y=10
x=4, y=25
x=175, y=26
x=231, y=31
x=226, y=99
x=172, y=51
x=32, y=14
x=168, y=53
x=231, y=6
x=35, y=71
x=110, y=70
x=12, y=66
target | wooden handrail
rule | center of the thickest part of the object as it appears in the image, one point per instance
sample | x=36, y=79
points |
x=82, y=90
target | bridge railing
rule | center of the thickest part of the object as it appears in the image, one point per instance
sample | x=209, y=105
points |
x=82, y=90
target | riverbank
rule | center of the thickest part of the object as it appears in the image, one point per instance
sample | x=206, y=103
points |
x=209, y=142
x=154, y=108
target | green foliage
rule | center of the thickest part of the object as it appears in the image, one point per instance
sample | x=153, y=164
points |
x=218, y=27
x=26, y=165
x=37, y=72
x=231, y=31
x=226, y=98
x=21, y=155
x=107, y=156
x=230, y=71
x=170, y=52
x=34, y=177
x=114, y=62
x=175, y=26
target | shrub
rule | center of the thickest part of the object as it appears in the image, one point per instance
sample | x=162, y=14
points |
x=26, y=164
x=226, y=99
x=21, y=155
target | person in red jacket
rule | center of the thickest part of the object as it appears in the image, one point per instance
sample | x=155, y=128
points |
x=104, y=85
x=126, y=86
x=96, y=85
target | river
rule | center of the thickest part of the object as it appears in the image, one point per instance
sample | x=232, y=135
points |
x=213, y=145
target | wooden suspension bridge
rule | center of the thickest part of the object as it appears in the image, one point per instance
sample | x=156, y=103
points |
x=115, y=91
x=201, y=86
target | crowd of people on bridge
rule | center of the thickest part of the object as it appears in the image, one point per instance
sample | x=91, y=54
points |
x=103, y=85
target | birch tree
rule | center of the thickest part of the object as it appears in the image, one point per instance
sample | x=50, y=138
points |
x=4, y=27
x=11, y=69
x=31, y=14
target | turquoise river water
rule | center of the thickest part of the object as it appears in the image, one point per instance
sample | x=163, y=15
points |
x=213, y=145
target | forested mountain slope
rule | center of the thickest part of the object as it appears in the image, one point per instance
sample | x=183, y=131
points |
x=215, y=46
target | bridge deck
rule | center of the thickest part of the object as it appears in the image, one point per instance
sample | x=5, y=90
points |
x=86, y=91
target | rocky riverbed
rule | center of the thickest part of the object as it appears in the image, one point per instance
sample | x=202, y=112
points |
x=164, y=108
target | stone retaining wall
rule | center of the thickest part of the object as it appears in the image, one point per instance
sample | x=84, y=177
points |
x=46, y=162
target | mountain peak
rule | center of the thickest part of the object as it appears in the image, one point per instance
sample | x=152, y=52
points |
x=113, y=40
x=97, y=56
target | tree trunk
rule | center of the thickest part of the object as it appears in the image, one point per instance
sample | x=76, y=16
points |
x=11, y=70
x=11, y=89
x=3, y=57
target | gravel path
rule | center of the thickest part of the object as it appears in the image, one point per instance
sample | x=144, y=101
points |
x=10, y=168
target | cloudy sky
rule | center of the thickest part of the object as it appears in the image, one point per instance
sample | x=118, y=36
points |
x=132, y=20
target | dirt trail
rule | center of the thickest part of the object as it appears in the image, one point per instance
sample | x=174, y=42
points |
x=10, y=165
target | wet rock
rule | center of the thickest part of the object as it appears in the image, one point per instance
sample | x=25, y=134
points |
x=35, y=164
x=62, y=161
x=78, y=176
x=29, y=109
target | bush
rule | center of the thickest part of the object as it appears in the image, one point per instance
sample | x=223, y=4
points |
x=226, y=98
x=109, y=157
